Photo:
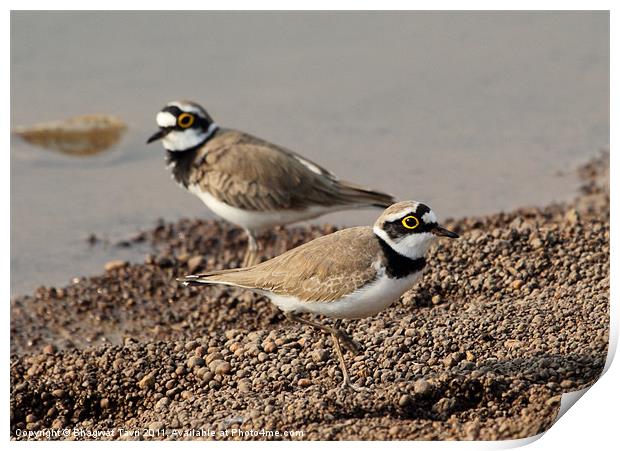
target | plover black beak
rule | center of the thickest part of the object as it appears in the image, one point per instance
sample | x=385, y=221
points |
x=159, y=135
x=441, y=231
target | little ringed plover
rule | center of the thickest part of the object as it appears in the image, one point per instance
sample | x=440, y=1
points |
x=353, y=273
x=247, y=181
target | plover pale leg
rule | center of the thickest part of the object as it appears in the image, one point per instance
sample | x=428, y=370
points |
x=338, y=337
x=251, y=253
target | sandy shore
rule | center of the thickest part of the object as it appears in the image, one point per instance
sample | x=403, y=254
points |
x=504, y=321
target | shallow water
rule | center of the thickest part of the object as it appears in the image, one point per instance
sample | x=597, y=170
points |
x=469, y=112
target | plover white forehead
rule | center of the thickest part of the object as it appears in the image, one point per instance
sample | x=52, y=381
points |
x=353, y=273
x=247, y=181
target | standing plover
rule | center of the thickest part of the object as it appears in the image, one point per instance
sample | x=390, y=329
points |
x=352, y=273
x=247, y=181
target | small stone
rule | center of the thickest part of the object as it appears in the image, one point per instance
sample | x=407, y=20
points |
x=220, y=367
x=436, y=299
x=536, y=243
x=404, y=400
x=449, y=361
x=58, y=393
x=205, y=374
x=269, y=346
x=147, y=381
x=213, y=356
x=244, y=385
x=113, y=265
x=572, y=217
x=195, y=361
x=156, y=425
x=467, y=365
x=49, y=349
x=58, y=423
x=512, y=344
x=320, y=355
x=190, y=345
x=163, y=402
x=516, y=284
x=422, y=387
x=567, y=384
x=472, y=430
x=104, y=403
x=304, y=382
x=195, y=263
x=231, y=333
x=444, y=406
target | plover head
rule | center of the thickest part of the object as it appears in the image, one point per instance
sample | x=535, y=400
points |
x=409, y=228
x=183, y=125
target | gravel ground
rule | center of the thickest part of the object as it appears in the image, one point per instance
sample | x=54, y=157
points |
x=504, y=321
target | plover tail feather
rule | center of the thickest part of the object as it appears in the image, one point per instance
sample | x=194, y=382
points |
x=359, y=195
x=231, y=277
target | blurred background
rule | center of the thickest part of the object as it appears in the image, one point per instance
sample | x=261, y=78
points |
x=471, y=112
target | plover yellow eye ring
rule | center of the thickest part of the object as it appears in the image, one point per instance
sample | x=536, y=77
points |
x=185, y=120
x=410, y=222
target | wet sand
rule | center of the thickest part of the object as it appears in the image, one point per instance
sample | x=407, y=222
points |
x=504, y=321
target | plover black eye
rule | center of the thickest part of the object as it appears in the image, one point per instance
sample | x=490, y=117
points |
x=410, y=222
x=185, y=120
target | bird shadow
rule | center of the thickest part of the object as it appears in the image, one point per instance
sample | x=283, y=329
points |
x=506, y=383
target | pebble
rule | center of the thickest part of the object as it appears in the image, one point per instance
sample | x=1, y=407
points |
x=220, y=367
x=147, y=381
x=269, y=346
x=195, y=263
x=303, y=382
x=58, y=423
x=422, y=387
x=114, y=265
x=195, y=361
x=244, y=385
x=320, y=355
x=156, y=425
x=162, y=403
x=58, y=393
x=404, y=400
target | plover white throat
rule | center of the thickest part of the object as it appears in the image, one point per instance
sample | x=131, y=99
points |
x=247, y=181
x=350, y=274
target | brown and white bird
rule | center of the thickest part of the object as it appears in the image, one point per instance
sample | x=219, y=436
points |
x=247, y=181
x=352, y=273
